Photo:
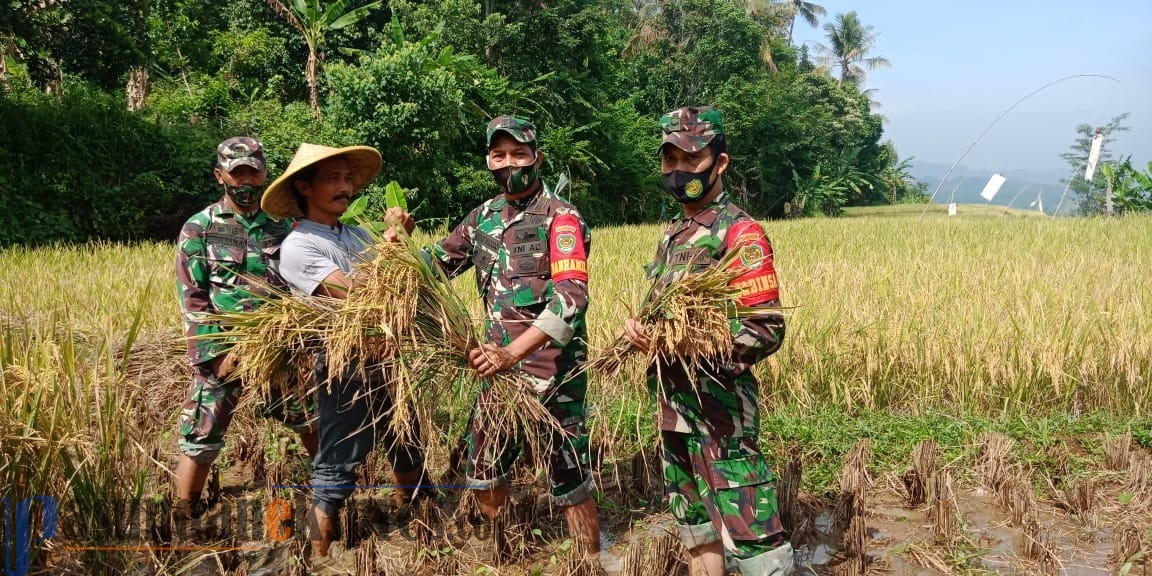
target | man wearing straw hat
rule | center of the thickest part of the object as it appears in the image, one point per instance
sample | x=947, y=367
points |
x=227, y=255
x=318, y=258
x=530, y=252
x=720, y=489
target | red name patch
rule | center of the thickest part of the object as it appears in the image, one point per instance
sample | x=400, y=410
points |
x=757, y=282
x=566, y=249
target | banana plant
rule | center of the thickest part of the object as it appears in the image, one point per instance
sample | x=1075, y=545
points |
x=313, y=22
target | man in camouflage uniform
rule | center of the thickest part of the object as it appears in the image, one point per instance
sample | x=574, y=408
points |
x=227, y=256
x=530, y=252
x=719, y=486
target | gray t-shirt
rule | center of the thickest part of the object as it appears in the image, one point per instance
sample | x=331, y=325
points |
x=313, y=251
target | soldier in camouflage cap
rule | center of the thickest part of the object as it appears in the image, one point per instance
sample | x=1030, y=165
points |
x=719, y=486
x=530, y=249
x=227, y=254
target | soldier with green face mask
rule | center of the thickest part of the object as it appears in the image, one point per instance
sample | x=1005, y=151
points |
x=719, y=487
x=227, y=255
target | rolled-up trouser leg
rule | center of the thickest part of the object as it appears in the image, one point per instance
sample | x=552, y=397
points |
x=206, y=414
x=347, y=435
x=692, y=520
x=739, y=493
x=775, y=562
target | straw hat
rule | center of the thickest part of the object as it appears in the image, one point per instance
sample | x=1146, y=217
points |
x=279, y=201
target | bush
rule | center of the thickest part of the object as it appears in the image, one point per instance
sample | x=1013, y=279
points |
x=85, y=168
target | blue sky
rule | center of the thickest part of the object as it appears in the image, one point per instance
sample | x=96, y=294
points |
x=957, y=65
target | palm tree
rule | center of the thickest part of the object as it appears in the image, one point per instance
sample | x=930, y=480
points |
x=850, y=42
x=313, y=22
x=647, y=26
x=809, y=11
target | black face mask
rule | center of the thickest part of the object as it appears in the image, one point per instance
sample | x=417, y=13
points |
x=244, y=195
x=689, y=187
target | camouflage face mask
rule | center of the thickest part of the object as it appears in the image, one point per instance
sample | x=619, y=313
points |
x=515, y=180
x=245, y=195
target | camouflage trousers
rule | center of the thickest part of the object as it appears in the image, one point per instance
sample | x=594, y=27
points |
x=490, y=460
x=720, y=489
x=208, y=410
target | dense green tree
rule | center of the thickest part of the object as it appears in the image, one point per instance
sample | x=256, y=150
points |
x=419, y=80
x=1131, y=187
x=98, y=40
x=1090, y=195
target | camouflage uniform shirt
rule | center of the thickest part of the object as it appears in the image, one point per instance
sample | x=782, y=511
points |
x=725, y=400
x=225, y=261
x=531, y=270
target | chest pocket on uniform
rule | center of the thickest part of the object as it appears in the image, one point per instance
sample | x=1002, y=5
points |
x=226, y=246
x=528, y=263
x=485, y=251
x=655, y=269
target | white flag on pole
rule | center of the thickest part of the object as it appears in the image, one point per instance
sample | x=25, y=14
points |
x=1038, y=201
x=951, y=208
x=1094, y=154
x=992, y=187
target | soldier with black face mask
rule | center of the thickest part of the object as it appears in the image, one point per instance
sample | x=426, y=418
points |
x=719, y=487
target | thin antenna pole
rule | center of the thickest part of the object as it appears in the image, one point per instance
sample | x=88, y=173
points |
x=1067, y=184
x=1021, y=191
x=989, y=127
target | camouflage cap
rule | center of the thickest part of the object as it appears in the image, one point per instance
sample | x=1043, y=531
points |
x=691, y=128
x=240, y=151
x=522, y=129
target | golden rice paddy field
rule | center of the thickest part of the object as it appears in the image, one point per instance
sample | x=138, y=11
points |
x=1022, y=345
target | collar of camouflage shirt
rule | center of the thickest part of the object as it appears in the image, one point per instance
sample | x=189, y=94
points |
x=225, y=209
x=707, y=215
x=522, y=204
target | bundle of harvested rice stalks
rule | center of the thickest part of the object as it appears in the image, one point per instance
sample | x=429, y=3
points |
x=431, y=365
x=688, y=319
x=379, y=314
x=274, y=344
x=403, y=325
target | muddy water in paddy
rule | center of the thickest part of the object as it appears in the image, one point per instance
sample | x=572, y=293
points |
x=899, y=539
x=992, y=543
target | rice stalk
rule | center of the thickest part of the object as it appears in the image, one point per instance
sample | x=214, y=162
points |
x=1019, y=501
x=945, y=524
x=1079, y=498
x=1139, y=482
x=1038, y=548
x=378, y=317
x=1116, y=450
x=274, y=343
x=1128, y=542
x=917, y=480
x=855, y=481
x=992, y=464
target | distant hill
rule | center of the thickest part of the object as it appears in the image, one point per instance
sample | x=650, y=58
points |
x=1019, y=191
x=917, y=211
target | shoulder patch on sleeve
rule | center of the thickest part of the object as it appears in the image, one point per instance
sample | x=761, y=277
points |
x=757, y=280
x=566, y=250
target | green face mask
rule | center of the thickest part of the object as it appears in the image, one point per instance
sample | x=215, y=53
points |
x=245, y=196
x=515, y=180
